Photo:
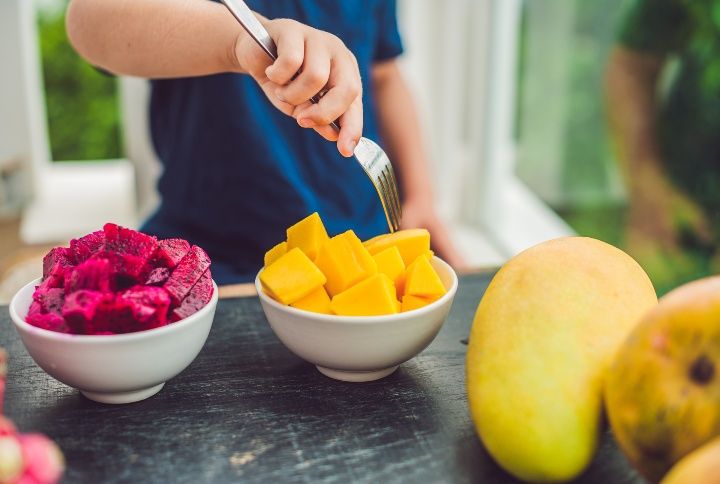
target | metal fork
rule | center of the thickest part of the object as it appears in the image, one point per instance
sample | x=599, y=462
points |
x=371, y=157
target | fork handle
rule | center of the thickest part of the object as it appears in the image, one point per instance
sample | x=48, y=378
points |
x=259, y=34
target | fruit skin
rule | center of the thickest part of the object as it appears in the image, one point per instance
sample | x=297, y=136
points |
x=542, y=339
x=701, y=466
x=663, y=389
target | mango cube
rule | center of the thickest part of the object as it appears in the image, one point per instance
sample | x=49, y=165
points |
x=410, y=302
x=275, y=253
x=309, y=235
x=291, y=277
x=390, y=263
x=317, y=301
x=422, y=280
x=372, y=297
x=345, y=262
x=411, y=243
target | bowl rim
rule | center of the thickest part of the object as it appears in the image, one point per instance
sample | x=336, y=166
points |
x=23, y=325
x=377, y=319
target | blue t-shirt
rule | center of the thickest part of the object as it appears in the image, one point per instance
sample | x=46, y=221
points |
x=238, y=172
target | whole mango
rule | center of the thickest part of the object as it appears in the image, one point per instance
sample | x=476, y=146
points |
x=542, y=339
x=663, y=389
x=701, y=466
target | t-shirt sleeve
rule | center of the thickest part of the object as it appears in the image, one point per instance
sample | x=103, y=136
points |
x=387, y=43
x=656, y=26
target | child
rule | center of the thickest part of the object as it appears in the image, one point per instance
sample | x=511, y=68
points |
x=237, y=171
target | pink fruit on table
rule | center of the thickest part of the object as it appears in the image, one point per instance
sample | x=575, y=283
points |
x=11, y=458
x=44, y=463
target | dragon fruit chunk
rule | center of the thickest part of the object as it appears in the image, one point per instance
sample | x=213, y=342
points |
x=52, y=300
x=80, y=308
x=85, y=247
x=49, y=321
x=55, y=265
x=171, y=251
x=147, y=306
x=197, y=298
x=186, y=274
x=125, y=270
x=92, y=274
x=35, y=308
x=129, y=242
x=158, y=276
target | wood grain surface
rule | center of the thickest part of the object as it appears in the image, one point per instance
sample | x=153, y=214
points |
x=248, y=410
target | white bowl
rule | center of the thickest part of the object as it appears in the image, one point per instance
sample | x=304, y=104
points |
x=119, y=368
x=359, y=348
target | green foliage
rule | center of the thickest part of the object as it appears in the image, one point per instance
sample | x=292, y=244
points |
x=82, y=104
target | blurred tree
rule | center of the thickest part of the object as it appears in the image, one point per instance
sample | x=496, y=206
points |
x=82, y=103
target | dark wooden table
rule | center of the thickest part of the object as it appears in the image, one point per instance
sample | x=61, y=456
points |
x=249, y=410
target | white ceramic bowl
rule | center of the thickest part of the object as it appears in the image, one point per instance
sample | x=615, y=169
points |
x=360, y=348
x=120, y=368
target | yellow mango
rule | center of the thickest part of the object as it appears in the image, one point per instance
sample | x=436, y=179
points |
x=390, y=263
x=275, y=253
x=309, y=235
x=372, y=297
x=422, y=280
x=345, y=262
x=292, y=277
x=410, y=302
x=411, y=243
x=429, y=254
x=317, y=301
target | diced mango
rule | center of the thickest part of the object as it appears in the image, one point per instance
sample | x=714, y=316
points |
x=362, y=256
x=292, y=277
x=275, y=253
x=415, y=302
x=372, y=297
x=422, y=280
x=429, y=254
x=345, y=262
x=411, y=243
x=400, y=284
x=309, y=235
x=390, y=263
x=317, y=301
x=398, y=305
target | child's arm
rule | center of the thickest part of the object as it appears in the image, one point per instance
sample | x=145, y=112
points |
x=182, y=38
x=403, y=138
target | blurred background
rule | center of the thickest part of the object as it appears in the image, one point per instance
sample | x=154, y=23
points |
x=544, y=118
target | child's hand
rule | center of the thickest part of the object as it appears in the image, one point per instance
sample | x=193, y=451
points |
x=322, y=63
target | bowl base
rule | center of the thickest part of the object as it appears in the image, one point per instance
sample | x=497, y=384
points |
x=123, y=397
x=356, y=376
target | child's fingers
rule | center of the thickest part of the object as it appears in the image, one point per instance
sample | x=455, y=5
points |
x=290, y=48
x=351, y=126
x=333, y=104
x=312, y=78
